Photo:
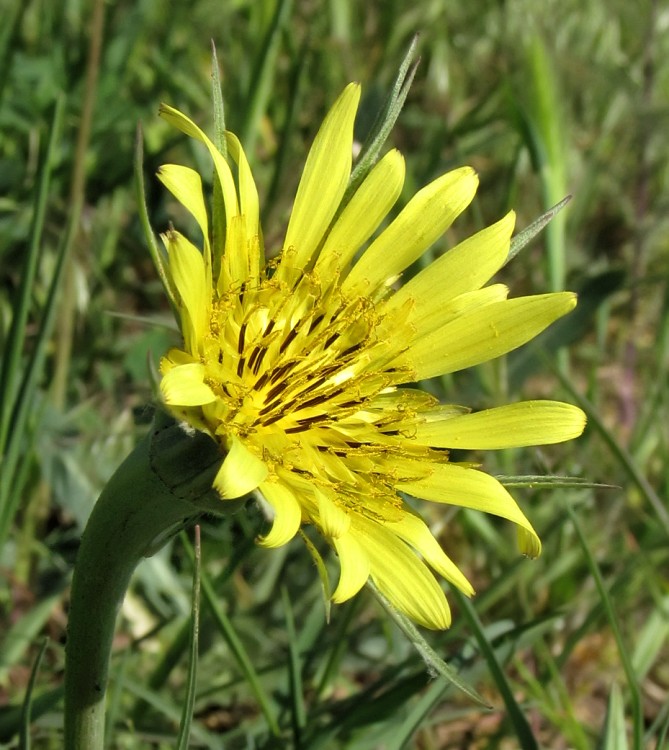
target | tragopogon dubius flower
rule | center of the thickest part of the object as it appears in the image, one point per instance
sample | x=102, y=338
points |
x=298, y=368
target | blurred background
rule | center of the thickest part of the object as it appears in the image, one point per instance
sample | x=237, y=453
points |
x=544, y=99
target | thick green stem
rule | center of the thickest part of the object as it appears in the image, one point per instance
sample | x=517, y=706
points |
x=162, y=486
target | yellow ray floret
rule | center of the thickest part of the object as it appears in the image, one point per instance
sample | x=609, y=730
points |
x=301, y=369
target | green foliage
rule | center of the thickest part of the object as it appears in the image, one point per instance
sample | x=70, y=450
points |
x=570, y=650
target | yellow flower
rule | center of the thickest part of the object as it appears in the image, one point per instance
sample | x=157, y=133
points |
x=296, y=367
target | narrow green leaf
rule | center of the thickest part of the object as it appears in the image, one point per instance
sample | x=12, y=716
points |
x=548, y=128
x=218, y=104
x=625, y=658
x=322, y=574
x=663, y=732
x=651, y=639
x=620, y=453
x=20, y=636
x=526, y=738
x=384, y=123
x=435, y=664
x=539, y=481
x=282, y=156
x=24, y=737
x=189, y=702
x=201, y=736
x=402, y=735
x=218, y=205
x=235, y=645
x=614, y=736
x=157, y=253
x=10, y=43
x=263, y=77
x=339, y=645
x=540, y=123
x=11, y=359
x=11, y=716
x=525, y=236
x=298, y=710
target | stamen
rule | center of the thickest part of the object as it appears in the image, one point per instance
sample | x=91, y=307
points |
x=261, y=381
x=286, y=342
x=275, y=391
x=330, y=340
x=316, y=322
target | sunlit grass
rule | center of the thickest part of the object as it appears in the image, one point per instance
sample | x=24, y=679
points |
x=568, y=100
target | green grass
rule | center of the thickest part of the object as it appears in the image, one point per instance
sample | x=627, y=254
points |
x=570, y=650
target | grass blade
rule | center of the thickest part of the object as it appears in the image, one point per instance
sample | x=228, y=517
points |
x=619, y=452
x=24, y=737
x=156, y=252
x=263, y=76
x=384, y=123
x=625, y=658
x=298, y=712
x=189, y=702
x=435, y=664
x=234, y=644
x=526, y=738
x=11, y=360
x=545, y=129
x=525, y=236
x=422, y=708
x=615, y=734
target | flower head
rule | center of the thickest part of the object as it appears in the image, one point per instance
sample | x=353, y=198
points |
x=298, y=368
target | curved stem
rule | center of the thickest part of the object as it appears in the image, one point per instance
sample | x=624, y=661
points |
x=163, y=485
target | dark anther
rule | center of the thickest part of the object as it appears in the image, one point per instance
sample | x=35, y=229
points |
x=315, y=322
x=242, y=336
x=352, y=349
x=315, y=401
x=348, y=404
x=281, y=371
x=330, y=340
x=291, y=335
x=276, y=390
x=261, y=381
x=272, y=419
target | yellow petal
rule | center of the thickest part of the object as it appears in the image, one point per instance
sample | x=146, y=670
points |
x=510, y=426
x=470, y=488
x=484, y=333
x=287, y=514
x=187, y=126
x=466, y=267
x=174, y=357
x=414, y=531
x=183, y=385
x=333, y=521
x=366, y=210
x=422, y=221
x=236, y=268
x=240, y=473
x=324, y=179
x=185, y=185
x=248, y=193
x=189, y=274
x=402, y=577
x=354, y=565
x=424, y=318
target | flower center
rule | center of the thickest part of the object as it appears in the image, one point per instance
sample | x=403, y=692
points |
x=287, y=360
